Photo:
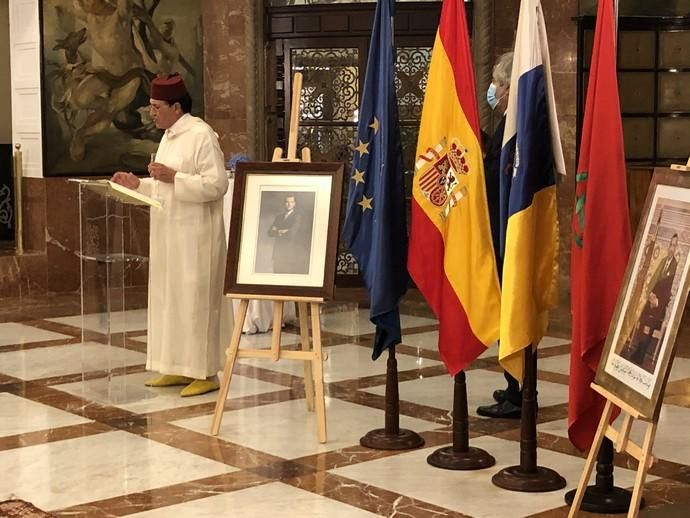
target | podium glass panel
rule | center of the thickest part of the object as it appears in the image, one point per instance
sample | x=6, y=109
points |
x=114, y=275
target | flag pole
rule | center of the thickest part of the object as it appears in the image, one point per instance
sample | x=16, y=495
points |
x=392, y=437
x=528, y=477
x=604, y=497
x=460, y=456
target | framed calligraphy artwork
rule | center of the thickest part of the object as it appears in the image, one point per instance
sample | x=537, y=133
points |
x=637, y=357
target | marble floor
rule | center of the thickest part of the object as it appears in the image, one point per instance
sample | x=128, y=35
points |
x=80, y=435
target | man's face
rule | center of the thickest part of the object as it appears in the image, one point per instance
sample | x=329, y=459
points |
x=163, y=114
x=672, y=245
x=289, y=203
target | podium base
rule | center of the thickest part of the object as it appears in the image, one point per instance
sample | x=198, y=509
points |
x=473, y=458
x=380, y=440
x=540, y=481
x=596, y=500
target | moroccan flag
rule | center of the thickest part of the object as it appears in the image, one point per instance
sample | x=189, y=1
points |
x=451, y=256
x=375, y=227
x=601, y=230
x=530, y=160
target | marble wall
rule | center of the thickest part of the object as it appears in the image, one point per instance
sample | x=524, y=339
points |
x=230, y=46
x=51, y=205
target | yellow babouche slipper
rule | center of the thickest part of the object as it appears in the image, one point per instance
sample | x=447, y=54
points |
x=198, y=387
x=167, y=380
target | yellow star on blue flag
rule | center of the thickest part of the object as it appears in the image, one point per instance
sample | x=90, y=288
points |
x=363, y=148
x=365, y=203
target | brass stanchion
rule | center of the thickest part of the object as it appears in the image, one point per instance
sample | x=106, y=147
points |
x=18, y=173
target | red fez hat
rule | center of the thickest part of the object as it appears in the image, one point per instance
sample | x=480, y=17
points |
x=168, y=88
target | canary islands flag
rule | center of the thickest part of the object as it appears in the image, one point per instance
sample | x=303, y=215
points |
x=375, y=227
x=451, y=256
x=530, y=160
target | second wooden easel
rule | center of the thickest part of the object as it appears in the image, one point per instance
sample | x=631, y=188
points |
x=311, y=354
x=621, y=441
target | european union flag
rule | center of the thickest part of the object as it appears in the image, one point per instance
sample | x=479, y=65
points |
x=375, y=227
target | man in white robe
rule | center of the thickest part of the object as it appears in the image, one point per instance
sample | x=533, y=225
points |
x=187, y=244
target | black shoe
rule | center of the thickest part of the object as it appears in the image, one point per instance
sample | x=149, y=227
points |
x=505, y=410
x=500, y=395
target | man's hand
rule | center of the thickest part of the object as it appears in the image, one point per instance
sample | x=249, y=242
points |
x=162, y=172
x=126, y=179
x=654, y=300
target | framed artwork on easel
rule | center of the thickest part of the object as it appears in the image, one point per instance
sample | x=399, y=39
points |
x=637, y=357
x=284, y=229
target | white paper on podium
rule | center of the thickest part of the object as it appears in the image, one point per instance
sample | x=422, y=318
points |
x=119, y=192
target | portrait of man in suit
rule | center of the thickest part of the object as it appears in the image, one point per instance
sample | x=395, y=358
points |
x=292, y=238
x=648, y=332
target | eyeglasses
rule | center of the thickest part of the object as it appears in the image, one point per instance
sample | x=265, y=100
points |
x=156, y=107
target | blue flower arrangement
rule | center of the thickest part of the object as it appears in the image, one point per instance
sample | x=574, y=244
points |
x=232, y=162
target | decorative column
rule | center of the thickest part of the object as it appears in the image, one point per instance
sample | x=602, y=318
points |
x=483, y=56
x=232, y=44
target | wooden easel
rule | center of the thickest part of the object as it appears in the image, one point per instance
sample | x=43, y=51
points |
x=621, y=437
x=312, y=356
x=621, y=441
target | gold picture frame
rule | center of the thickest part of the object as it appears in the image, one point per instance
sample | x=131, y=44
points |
x=637, y=357
x=284, y=229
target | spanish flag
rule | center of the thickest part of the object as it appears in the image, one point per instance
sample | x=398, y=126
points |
x=531, y=158
x=451, y=257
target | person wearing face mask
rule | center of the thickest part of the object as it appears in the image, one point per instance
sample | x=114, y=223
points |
x=187, y=244
x=508, y=402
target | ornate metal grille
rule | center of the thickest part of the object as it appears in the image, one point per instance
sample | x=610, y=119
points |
x=330, y=87
x=410, y=81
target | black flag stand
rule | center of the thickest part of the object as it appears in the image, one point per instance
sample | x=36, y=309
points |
x=460, y=456
x=527, y=477
x=392, y=437
x=604, y=497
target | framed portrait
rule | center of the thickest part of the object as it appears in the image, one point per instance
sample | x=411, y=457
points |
x=637, y=357
x=98, y=58
x=284, y=229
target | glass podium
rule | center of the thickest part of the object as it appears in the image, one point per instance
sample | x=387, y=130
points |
x=114, y=235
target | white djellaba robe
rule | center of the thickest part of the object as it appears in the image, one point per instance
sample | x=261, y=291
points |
x=187, y=254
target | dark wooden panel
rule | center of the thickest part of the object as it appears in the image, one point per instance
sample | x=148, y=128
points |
x=335, y=22
x=674, y=49
x=411, y=18
x=281, y=24
x=362, y=22
x=424, y=21
x=308, y=23
x=402, y=22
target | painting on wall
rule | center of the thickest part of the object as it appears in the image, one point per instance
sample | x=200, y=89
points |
x=98, y=60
